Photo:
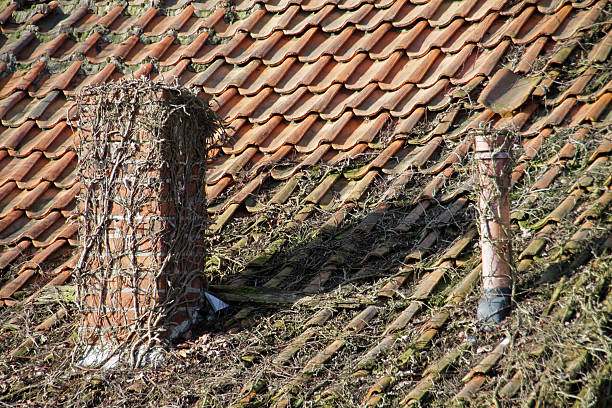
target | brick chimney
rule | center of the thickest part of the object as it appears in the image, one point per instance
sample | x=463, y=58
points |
x=142, y=217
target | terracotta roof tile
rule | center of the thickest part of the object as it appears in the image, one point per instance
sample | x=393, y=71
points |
x=501, y=29
x=299, y=74
x=529, y=57
x=160, y=25
x=596, y=94
x=442, y=66
x=26, y=228
x=333, y=105
x=419, y=97
x=269, y=161
x=154, y=51
x=208, y=5
x=15, y=45
x=178, y=71
x=261, y=77
x=329, y=72
x=91, y=80
x=300, y=22
x=336, y=101
x=433, y=38
x=176, y=52
x=309, y=160
x=50, y=141
x=231, y=167
x=15, y=169
x=20, y=80
x=12, y=137
x=9, y=196
x=335, y=19
x=42, y=169
x=469, y=33
x=248, y=49
x=54, y=113
x=43, y=104
x=35, y=50
x=546, y=26
x=72, y=18
x=59, y=81
x=14, y=117
x=411, y=13
x=600, y=52
x=69, y=48
x=450, y=11
x=507, y=91
x=219, y=76
x=261, y=25
x=229, y=207
x=252, y=135
x=314, y=44
x=289, y=134
x=359, y=71
x=483, y=64
x=584, y=18
x=21, y=199
x=124, y=23
x=85, y=23
x=109, y=17
x=356, y=132
x=7, y=12
x=61, y=229
x=371, y=100
x=53, y=199
x=213, y=191
x=12, y=253
x=554, y=118
x=598, y=107
x=23, y=227
x=104, y=52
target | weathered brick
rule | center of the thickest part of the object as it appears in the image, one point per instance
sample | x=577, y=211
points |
x=128, y=268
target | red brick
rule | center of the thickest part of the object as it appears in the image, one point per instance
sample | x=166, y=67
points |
x=197, y=283
x=120, y=299
x=143, y=262
x=117, y=282
x=179, y=317
x=90, y=335
x=117, y=209
x=110, y=319
x=90, y=320
x=193, y=298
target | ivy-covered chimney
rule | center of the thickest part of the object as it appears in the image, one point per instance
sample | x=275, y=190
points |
x=142, y=150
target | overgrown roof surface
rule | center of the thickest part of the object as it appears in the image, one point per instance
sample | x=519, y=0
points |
x=346, y=186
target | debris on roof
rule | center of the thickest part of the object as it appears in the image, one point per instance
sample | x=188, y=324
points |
x=347, y=180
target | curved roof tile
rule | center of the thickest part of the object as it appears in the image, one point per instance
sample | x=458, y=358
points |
x=331, y=103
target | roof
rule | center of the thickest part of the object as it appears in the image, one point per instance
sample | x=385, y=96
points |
x=347, y=176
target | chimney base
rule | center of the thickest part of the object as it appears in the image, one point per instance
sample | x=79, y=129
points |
x=494, y=306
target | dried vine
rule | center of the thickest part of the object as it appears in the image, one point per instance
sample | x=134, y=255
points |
x=143, y=148
x=493, y=166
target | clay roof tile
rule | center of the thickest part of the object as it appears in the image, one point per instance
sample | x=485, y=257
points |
x=337, y=109
x=507, y=91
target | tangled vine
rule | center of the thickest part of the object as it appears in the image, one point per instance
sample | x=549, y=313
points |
x=143, y=148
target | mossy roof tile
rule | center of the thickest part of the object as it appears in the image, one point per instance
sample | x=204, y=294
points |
x=339, y=110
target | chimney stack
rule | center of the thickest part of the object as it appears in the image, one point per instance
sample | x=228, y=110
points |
x=492, y=156
x=142, y=217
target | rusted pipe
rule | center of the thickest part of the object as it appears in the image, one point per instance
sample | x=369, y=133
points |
x=494, y=203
